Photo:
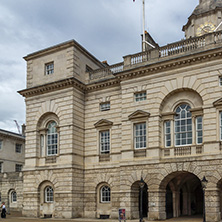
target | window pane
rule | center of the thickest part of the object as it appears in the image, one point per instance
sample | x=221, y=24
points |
x=167, y=134
x=52, y=141
x=105, y=194
x=183, y=125
x=140, y=96
x=140, y=135
x=199, y=129
x=104, y=141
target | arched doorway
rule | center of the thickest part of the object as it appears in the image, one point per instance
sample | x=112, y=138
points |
x=135, y=200
x=184, y=195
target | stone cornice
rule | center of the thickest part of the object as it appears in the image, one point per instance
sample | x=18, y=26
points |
x=171, y=63
x=50, y=87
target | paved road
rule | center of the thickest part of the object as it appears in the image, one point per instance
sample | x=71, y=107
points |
x=16, y=217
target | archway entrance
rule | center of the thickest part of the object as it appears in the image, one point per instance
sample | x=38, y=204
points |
x=135, y=200
x=220, y=195
x=184, y=195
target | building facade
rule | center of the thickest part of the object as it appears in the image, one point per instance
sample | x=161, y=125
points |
x=94, y=130
x=12, y=159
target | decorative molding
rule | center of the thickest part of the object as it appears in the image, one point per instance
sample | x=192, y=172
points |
x=102, y=123
x=217, y=103
x=138, y=114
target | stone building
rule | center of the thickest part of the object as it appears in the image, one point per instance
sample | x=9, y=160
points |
x=12, y=159
x=94, y=130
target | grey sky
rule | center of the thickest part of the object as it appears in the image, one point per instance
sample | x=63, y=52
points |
x=109, y=29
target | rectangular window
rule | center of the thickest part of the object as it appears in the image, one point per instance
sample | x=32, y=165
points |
x=220, y=125
x=1, y=167
x=199, y=129
x=167, y=130
x=49, y=68
x=104, y=142
x=140, y=135
x=105, y=106
x=18, y=167
x=0, y=144
x=18, y=148
x=140, y=96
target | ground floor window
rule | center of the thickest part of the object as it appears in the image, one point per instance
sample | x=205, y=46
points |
x=105, y=194
x=49, y=195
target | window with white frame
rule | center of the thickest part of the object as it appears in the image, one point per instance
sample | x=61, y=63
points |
x=140, y=96
x=52, y=139
x=105, y=194
x=183, y=125
x=220, y=125
x=18, y=167
x=49, y=194
x=13, y=197
x=18, y=148
x=167, y=131
x=140, y=135
x=1, y=142
x=199, y=129
x=49, y=68
x=104, y=141
x=105, y=106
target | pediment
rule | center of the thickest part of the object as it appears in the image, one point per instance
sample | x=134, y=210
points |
x=218, y=102
x=103, y=122
x=139, y=114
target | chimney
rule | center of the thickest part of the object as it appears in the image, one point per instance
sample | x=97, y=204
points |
x=23, y=129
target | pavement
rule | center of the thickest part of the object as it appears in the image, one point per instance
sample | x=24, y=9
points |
x=17, y=217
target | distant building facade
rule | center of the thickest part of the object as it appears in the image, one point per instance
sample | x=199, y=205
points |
x=94, y=130
x=12, y=159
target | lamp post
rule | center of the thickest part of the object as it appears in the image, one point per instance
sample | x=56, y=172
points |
x=141, y=184
x=204, y=182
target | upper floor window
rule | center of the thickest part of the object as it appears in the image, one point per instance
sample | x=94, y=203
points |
x=199, y=130
x=105, y=106
x=49, y=68
x=49, y=194
x=1, y=167
x=167, y=128
x=1, y=144
x=18, y=167
x=139, y=96
x=105, y=194
x=140, y=135
x=18, y=148
x=52, y=139
x=183, y=125
x=104, y=142
x=13, y=197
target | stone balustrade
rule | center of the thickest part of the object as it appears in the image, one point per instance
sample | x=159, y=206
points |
x=161, y=53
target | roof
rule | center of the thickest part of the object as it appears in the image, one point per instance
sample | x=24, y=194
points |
x=11, y=134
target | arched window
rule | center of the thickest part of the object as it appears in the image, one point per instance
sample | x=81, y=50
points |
x=49, y=195
x=13, y=197
x=183, y=128
x=52, y=139
x=183, y=125
x=105, y=194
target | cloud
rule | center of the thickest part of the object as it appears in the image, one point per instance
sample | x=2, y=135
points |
x=109, y=29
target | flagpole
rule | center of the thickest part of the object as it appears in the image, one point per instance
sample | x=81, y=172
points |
x=144, y=40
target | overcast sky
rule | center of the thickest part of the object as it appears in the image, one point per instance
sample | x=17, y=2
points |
x=109, y=29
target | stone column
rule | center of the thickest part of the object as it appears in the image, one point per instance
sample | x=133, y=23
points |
x=212, y=205
x=157, y=205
